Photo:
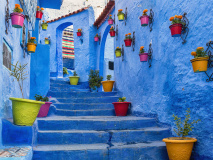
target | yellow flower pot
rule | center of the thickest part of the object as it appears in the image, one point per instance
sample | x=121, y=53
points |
x=118, y=53
x=179, y=149
x=121, y=17
x=44, y=27
x=200, y=64
x=107, y=85
x=31, y=47
x=74, y=80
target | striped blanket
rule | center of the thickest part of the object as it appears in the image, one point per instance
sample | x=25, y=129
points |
x=68, y=44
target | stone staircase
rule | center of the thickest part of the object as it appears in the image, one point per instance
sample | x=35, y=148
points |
x=83, y=126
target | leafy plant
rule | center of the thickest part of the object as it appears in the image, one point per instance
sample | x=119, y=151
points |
x=32, y=40
x=177, y=19
x=112, y=28
x=79, y=30
x=94, y=79
x=199, y=52
x=109, y=77
x=184, y=127
x=144, y=12
x=118, y=49
x=19, y=73
x=44, y=23
x=142, y=50
x=128, y=36
x=41, y=98
x=110, y=16
x=40, y=9
x=122, y=99
x=75, y=74
x=65, y=70
x=97, y=35
x=17, y=8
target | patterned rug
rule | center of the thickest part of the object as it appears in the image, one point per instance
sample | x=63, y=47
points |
x=68, y=44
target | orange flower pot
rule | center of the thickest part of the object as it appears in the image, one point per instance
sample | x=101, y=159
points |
x=107, y=85
x=31, y=47
x=200, y=64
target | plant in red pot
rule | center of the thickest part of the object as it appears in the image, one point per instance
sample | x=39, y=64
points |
x=96, y=38
x=79, y=33
x=143, y=55
x=128, y=40
x=144, y=18
x=45, y=107
x=112, y=32
x=110, y=20
x=17, y=17
x=177, y=25
x=121, y=107
x=39, y=13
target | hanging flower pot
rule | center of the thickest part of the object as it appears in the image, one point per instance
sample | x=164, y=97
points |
x=143, y=55
x=118, y=52
x=110, y=20
x=96, y=38
x=79, y=33
x=17, y=17
x=44, y=25
x=200, y=61
x=177, y=25
x=108, y=85
x=39, y=13
x=128, y=40
x=74, y=79
x=112, y=32
x=144, y=18
x=43, y=112
x=121, y=107
x=47, y=41
x=120, y=15
x=31, y=45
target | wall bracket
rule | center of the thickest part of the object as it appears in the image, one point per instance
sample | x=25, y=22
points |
x=7, y=17
x=133, y=41
x=116, y=32
x=125, y=16
x=122, y=52
x=210, y=65
x=150, y=55
x=151, y=19
x=185, y=29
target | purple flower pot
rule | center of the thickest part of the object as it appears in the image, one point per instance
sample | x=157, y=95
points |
x=143, y=57
x=144, y=20
x=17, y=19
x=110, y=21
x=44, y=109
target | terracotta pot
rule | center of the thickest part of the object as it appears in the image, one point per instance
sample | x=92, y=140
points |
x=176, y=29
x=31, y=47
x=43, y=112
x=17, y=19
x=143, y=57
x=108, y=85
x=144, y=20
x=39, y=15
x=128, y=42
x=110, y=21
x=96, y=39
x=121, y=108
x=112, y=33
x=200, y=64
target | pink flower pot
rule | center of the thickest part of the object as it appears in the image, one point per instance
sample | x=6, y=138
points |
x=17, y=19
x=144, y=20
x=96, y=39
x=110, y=21
x=143, y=57
x=44, y=109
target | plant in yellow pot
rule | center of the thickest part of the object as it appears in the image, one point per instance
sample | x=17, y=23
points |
x=118, y=52
x=180, y=148
x=31, y=45
x=74, y=79
x=200, y=61
x=121, y=15
x=25, y=111
x=44, y=25
x=108, y=85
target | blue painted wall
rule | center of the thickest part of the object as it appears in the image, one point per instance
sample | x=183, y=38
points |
x=169, y=86
x=53, y=4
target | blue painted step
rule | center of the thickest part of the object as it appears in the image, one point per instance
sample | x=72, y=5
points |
x=94, y=123
x=120, y=151
x=68, y=89
x=91, y=136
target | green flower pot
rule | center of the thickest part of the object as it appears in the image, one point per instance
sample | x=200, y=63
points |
x=25, y=111
x=44, y=27
x=46, y=41
x=74, y=80
x=121, y=17
x=118, y=53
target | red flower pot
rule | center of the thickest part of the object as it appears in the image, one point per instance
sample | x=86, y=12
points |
x=112, y=33
x=128, y=42
x=44, y=109
x=176, y=29
x=78, y=34
x=39, y=15
x=121, y=108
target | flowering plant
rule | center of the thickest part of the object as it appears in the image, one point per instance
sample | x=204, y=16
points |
x=32, y=40
x=120, y=12
x=110, y=16
x=128, y=36
x=117, y=49
x=17, y=8
x=46, y=38
x=41, y=98
x=79, y=30
x=144, y=12
x=43, y=22
x=40, y=9
x=142, y=50
x=199, y=52
x=112, y=29
x=177, y=19
x=97, y=35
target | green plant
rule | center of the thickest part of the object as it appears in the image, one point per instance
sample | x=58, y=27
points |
x=120, y=12
x=32, y=40
x=112, y=29
x=177, y=20
x=122, y=99
x=94, y=79
x=44, y=23
x=75, y=74
x=97, y=35
x=128, y=36
x=142, y=50
x=118, y=49
x=184, y=127
x=19, y=73
x=41, y=98
x=17, y=8
x=109, y=77
x=110, y=16
x=199, y=52
x=65, y=70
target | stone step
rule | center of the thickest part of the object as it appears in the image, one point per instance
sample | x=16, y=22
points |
x=94, y=123
x=94, y=112
x=119, y=151
x=72, y=89
x=110, y=136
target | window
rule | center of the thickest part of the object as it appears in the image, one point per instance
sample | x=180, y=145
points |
x=7, y=55
x=111, y=65
x=23, y=36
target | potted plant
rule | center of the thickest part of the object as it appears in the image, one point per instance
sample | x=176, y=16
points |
x=17, y=17
x=200, y=60
x=177, y=25
x=121, y=107
x=118, y=52
x=94, y=80
x=31, y=45
x=143, y=55
x=47, y=41
x=181, y=147
x=128, y=40
x=39, y=13
x=44, y=25
x=120, y=15
x=110, y=20
x=74, y=79
x=96, y=38
x=43, y=112
x=112, y=32
x=144, y=18
x=108, y=85
x=25, y=111
x=79, y=33
x=65, y=72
